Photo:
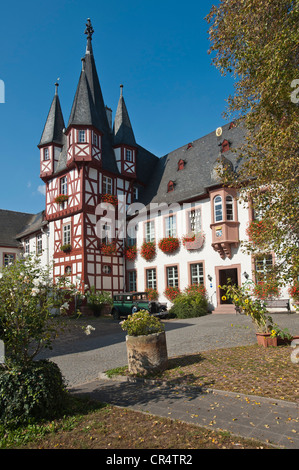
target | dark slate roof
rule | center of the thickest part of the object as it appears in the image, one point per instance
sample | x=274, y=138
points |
x=201, y=158
x=35, y=224
x=11, y=223
x=53, y=130
x=122, y=129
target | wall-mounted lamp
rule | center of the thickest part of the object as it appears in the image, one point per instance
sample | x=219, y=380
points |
x=246, y=275
x=210, y=278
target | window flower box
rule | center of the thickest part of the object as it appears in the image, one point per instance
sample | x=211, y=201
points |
x=110, y=199
x=193, y=241
x=171, y=292
x=108, y=248
x=66, y=248
x=61, y=198
x=152, y=293
x=148, y=250
x=131, y=252
x=169, y=244
x=265, y=290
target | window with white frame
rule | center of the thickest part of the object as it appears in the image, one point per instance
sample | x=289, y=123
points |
x=8, y=258
x=218, y=209
x=63, y=185
x=27, y=246
x=129, y=157
x=150, y=231
x=107, y=185
x=151, y=278
x=172, y=276
x=196, y=273
x=132, y=281
x=81, y=136
x=39, y=244
x=66, y=234
x=170, y=226
x=194, y=220
x=46, y=154
x=229, y=204
x=135, y=193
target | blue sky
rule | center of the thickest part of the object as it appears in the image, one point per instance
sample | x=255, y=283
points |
x=156, y=48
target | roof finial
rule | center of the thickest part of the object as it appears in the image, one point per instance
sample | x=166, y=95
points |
x=121, y=90
x=56, y=86
x=89, y=29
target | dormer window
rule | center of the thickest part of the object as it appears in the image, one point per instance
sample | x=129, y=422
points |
x=181, y=165
x=81, y=136
x=95, y=139
x=232, y=124
x=129, y=155
x=225, y=146
x=170, y=186
x=189, y=146
x=46, y=154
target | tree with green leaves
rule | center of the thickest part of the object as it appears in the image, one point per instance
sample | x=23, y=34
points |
x=258, y=44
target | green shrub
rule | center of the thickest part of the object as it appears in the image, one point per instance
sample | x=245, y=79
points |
x=31, y=393
x=190, y=304
x=96, y=300
x=142, y=323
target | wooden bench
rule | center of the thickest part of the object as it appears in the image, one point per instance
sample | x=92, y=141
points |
x=273, y=303
x=279, y=303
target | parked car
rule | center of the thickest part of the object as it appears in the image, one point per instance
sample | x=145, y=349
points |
x=126, y=303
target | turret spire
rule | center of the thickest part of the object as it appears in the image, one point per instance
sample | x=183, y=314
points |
x=89, y=32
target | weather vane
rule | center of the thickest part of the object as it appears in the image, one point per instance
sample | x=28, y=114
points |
x=89, y=29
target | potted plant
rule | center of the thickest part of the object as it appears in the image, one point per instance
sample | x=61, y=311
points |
x=242, y=297
x=98, y=301
x=148, y=250
x=193, y=241
x=146, y=343
x=169, y=244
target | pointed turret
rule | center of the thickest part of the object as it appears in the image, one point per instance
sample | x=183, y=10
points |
x=125, y=147
x=122, y=129
x=53, y=130
x=52, y=139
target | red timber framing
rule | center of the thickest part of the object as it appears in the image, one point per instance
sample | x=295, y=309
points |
x=126, y=160
x=84, y=145
x=48, y=163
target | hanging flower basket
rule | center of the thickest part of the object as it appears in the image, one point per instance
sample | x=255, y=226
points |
x=108, y=248
x=61, y=198
x=67, y=247
x=169, y=244
x=131, y=252
x=193, y=241
x=148, y=250
x=171, y=293
x=110, y=199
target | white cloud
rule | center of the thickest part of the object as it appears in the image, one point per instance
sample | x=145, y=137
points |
x=42, y=189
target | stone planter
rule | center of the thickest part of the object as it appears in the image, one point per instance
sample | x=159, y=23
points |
x=147, y=353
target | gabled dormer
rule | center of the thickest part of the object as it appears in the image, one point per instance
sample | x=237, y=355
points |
x=125, y=147
x=52, y=139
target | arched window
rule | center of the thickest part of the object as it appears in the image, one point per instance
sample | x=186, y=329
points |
x=229, y=208
x=218, y=209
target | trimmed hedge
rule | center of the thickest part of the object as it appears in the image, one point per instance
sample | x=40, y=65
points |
x=31, y=393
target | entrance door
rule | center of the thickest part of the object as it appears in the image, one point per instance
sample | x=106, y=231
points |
x=224, y=276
